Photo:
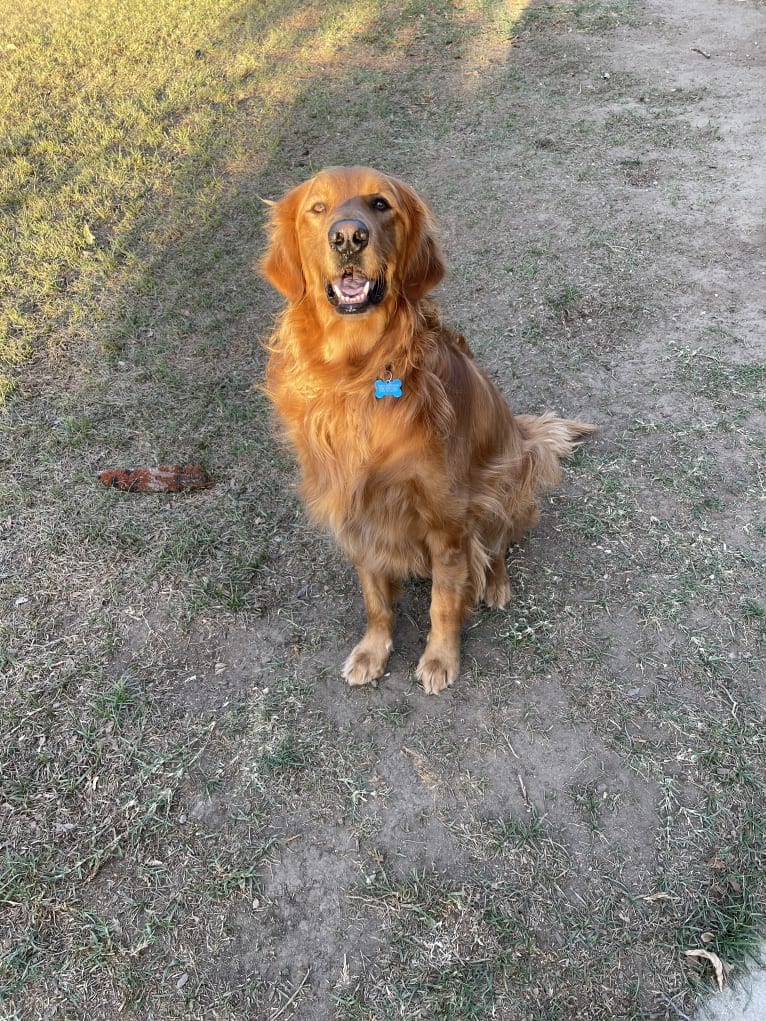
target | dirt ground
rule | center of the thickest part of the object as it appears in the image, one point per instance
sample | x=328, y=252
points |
x=659, y=230
x=547, y=839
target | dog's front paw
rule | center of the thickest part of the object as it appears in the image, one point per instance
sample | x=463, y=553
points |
x=367, y=661
x=438, y=668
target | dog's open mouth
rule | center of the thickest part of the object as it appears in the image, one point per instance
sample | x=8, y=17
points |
x=355, y=292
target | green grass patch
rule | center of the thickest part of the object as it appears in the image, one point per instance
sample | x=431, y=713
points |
x=589, y=16
x=457, y=943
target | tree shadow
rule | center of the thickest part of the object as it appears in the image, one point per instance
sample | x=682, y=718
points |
x=169, y=341
x=300, y=88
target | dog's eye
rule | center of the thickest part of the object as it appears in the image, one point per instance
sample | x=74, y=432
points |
x=380, y=204
x=319, y=207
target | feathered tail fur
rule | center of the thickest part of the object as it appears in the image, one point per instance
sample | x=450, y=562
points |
x=549, y=439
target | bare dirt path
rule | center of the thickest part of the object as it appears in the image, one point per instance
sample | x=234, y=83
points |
x=602, y=201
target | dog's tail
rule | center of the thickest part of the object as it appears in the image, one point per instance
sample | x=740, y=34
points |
x=562, y=435
x=548, y=440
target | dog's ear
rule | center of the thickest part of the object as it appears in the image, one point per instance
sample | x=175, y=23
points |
x=423, y=263
x=281, y=265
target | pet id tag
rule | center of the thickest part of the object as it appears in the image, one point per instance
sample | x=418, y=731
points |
x=388, y=387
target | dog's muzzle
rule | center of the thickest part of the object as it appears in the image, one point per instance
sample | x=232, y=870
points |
x=352, y=291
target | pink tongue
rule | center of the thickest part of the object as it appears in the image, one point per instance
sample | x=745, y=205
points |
x=352, y=286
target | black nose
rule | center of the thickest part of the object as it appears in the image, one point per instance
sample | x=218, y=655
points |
x=348, y=236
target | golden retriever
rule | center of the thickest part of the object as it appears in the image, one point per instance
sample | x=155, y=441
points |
x=408, y=452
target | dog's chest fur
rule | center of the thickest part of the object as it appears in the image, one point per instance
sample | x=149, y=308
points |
x=363, y=476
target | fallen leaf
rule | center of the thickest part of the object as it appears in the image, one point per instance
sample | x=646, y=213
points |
x=714, y=959
x=166, y=478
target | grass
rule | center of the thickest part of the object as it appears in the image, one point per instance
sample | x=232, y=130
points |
x=457, y=944
x=595, y=16
x=196, y=818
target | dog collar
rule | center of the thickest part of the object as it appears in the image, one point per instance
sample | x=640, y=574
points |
x=388, y=387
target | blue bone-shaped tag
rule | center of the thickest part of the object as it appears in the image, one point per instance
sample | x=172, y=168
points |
x=388, y=388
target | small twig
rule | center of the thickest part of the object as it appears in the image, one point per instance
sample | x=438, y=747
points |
x=524, y=794
x=696, y=49
x=514, y=753
x=679, y=1012
x=292, y=999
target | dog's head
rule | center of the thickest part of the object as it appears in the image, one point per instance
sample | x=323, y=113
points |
x=352, y=240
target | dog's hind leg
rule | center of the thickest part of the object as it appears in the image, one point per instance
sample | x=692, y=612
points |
x=497, y=591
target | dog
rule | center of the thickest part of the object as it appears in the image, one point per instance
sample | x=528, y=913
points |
x=408, y=452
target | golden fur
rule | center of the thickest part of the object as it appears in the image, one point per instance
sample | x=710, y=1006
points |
x=434, y=483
